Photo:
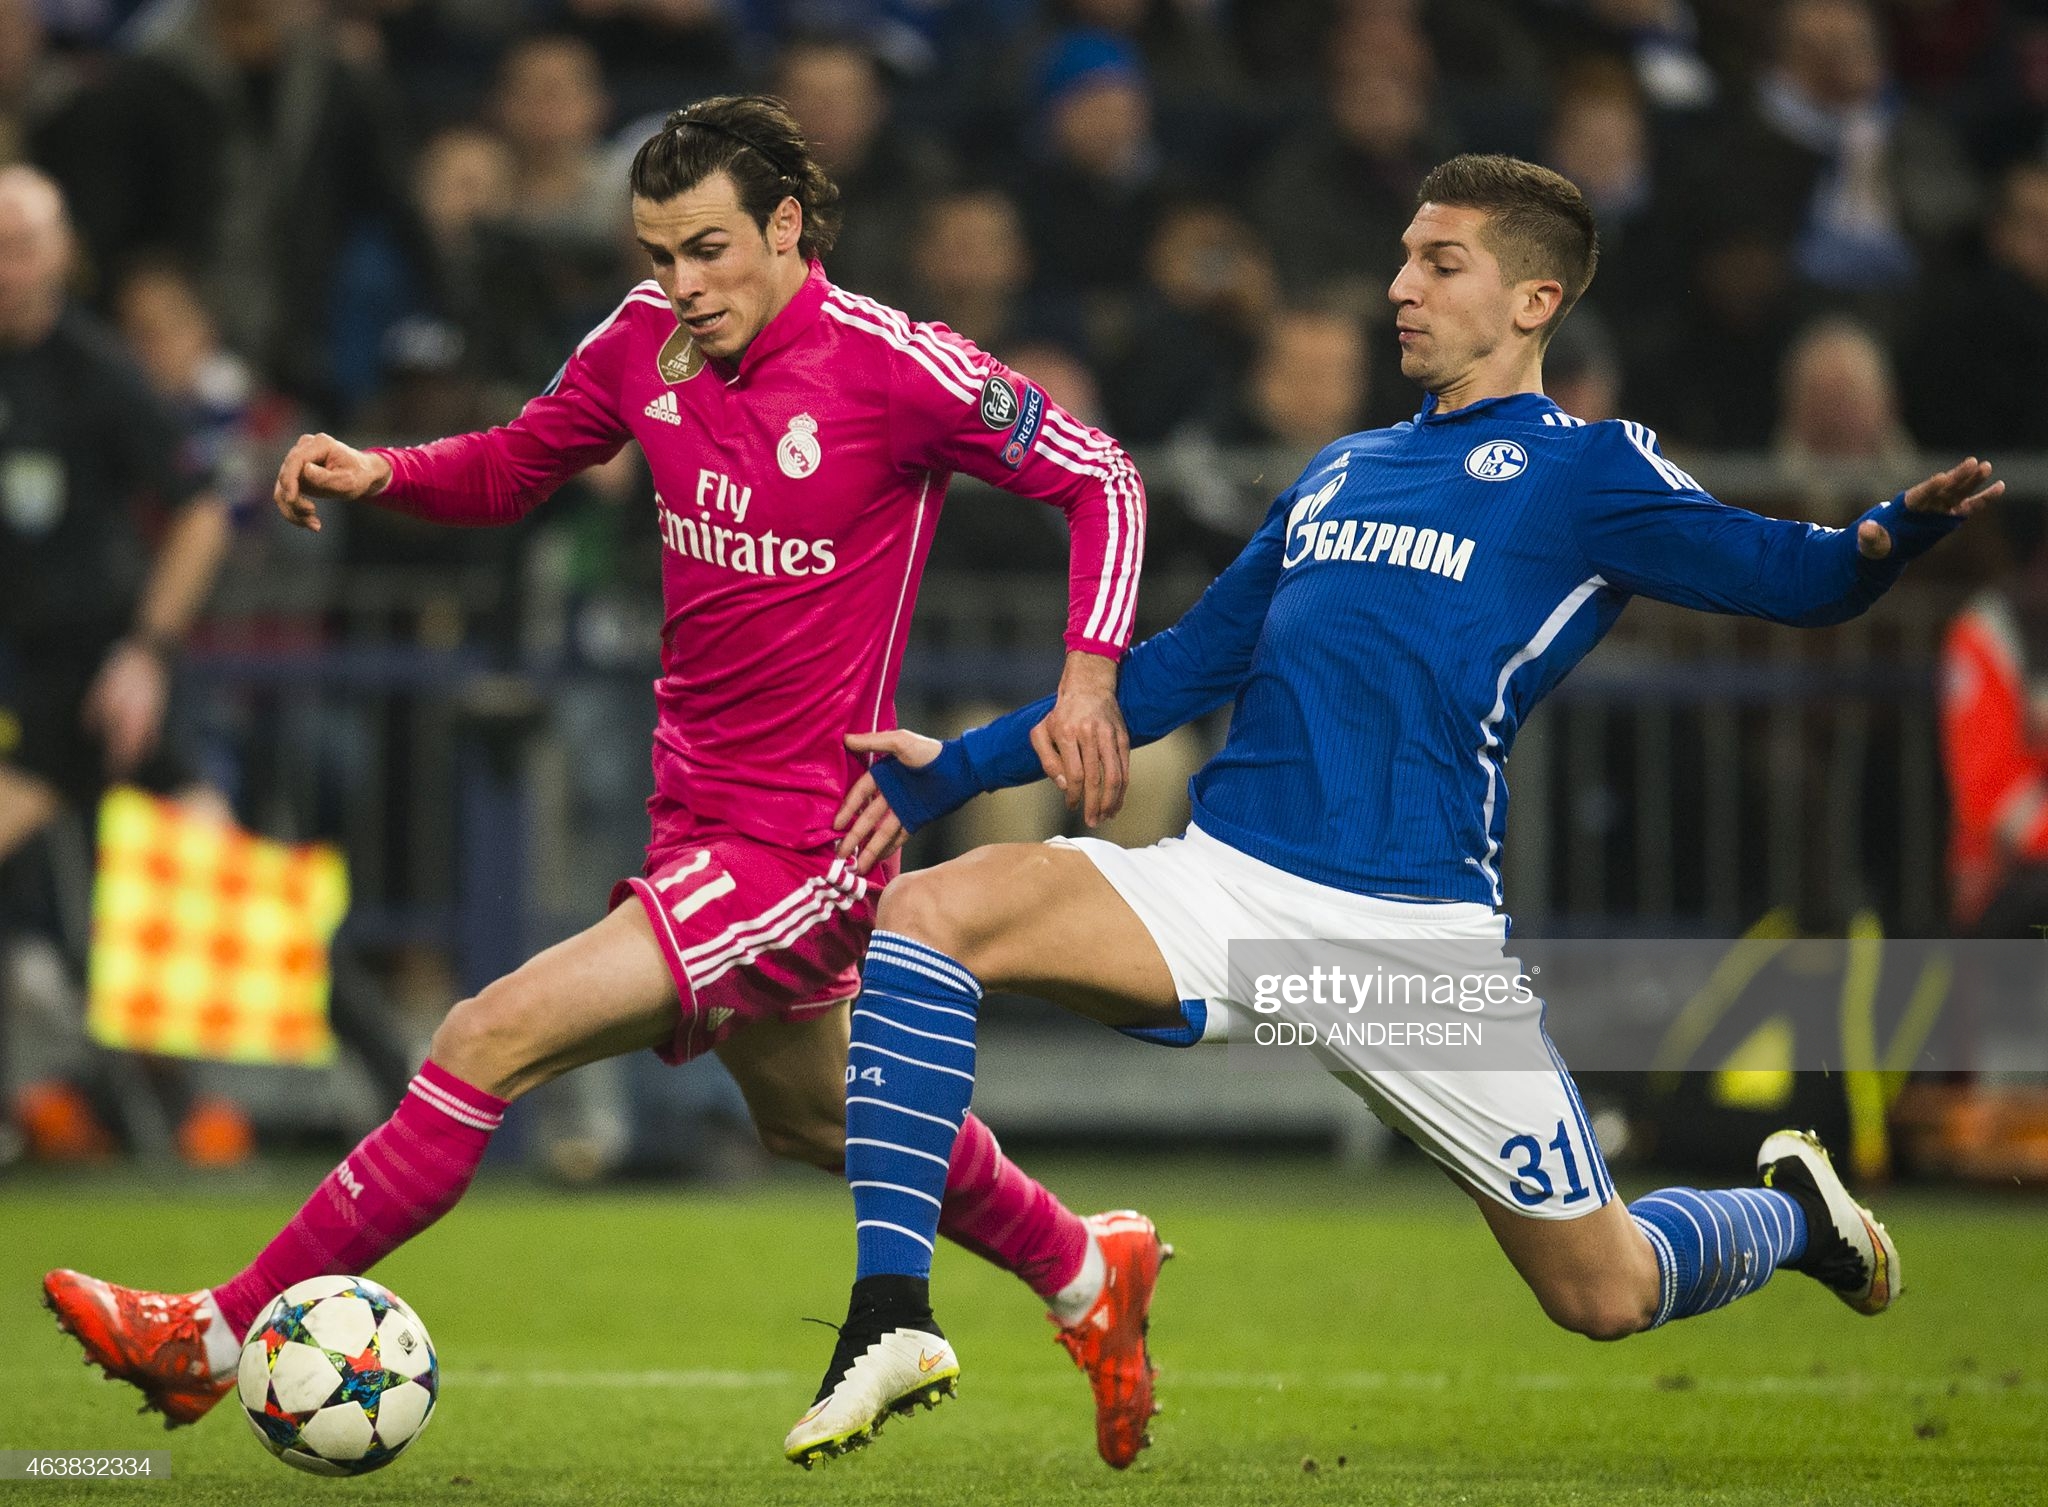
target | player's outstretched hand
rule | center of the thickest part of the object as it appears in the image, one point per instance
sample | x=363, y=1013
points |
x=871, y=828
x=1958, y=491
x=1082, y=744
x=319, y=468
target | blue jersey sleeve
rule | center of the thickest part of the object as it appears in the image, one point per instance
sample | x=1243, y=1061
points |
x=1168, y=681
x=1648, y=528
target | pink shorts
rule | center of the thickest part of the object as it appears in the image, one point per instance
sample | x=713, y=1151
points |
x=752, y=931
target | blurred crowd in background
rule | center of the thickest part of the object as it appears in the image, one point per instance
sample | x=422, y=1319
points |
x=1824, y=222
x=1824, y=230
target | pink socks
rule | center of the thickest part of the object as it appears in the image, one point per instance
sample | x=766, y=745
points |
x=405, y=1175
x=412, y=1169
x=995, y=1210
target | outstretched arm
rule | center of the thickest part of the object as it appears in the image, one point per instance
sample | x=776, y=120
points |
x=1648, y=528
x=496, y=476
x=1946, y=497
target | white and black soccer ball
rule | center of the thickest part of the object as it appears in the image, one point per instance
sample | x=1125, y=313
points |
x=338, y=1376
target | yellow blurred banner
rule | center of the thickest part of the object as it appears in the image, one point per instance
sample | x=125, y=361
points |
x=208, y=942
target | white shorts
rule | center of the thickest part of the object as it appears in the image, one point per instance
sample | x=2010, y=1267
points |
x=1520, y=1137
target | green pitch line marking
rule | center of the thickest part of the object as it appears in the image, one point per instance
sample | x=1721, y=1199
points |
x=626, y=1381
x=1339, y=1381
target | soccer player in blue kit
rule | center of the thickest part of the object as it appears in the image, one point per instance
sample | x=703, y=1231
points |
x=1401, y=611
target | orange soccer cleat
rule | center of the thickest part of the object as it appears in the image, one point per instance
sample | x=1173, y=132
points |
x=156, y=1340
x=1109, y=1341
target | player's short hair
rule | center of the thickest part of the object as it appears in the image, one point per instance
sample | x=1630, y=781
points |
x=756, y=142
x=1538, y=224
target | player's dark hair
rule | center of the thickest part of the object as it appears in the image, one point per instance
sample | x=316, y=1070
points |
x=756, y=142
x=1538, y=224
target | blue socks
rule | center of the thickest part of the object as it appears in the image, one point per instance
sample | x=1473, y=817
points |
x=1717, y=1246
x=909, y=1081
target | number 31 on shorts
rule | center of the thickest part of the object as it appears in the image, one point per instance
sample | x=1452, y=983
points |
x=874, y=1075
x=1531, y=1185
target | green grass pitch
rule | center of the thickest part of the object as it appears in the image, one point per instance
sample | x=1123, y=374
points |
x=649, y=1347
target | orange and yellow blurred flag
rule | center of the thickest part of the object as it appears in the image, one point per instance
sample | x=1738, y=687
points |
x=208, y=942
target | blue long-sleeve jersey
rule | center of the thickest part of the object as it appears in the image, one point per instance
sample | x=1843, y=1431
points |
x=1403, y=608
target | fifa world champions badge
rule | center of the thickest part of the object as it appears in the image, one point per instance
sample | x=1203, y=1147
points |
x=799, y=453
x=679, y=359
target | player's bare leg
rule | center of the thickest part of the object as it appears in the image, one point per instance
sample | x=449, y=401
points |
x=1029, y=917
x=1595, y=1275
x=602, y=992
x=1039, y=918
x=792, y=1073
x=1684, y=1251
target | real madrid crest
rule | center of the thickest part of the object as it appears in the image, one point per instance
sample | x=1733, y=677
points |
x=799, y=452
x=679, y=359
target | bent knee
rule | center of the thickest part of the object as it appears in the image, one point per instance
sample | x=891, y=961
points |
x=972, y=908
x=1597, y=1313
x=483, y=1042
x=820, y=1143
x=917, y=906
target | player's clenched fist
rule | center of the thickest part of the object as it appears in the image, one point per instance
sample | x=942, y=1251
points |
x=320, y=467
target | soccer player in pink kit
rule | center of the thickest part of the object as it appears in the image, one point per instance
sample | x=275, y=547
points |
x=800, y=439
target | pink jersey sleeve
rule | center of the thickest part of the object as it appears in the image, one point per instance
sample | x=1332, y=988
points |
x=954, y=407
x=502, y=474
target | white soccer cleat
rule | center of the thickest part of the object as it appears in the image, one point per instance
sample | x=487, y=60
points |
x=1847, y=1250
x=897, y=1371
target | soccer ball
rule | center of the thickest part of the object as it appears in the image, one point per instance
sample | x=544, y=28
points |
x=338, y=1376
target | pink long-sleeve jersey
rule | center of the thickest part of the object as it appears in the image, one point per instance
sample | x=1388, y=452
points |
x=796, y=497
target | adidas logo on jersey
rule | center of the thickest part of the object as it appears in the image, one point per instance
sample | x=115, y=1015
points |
x=665, y=409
